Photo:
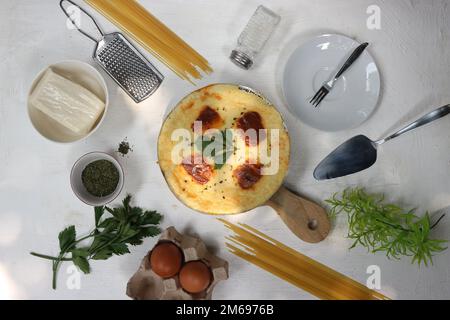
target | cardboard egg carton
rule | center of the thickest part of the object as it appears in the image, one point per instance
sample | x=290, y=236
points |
x=147, y=285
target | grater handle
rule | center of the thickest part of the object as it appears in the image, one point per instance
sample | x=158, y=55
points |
x=61, y=4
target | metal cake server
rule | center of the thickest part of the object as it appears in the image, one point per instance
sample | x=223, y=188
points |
x=360, y=153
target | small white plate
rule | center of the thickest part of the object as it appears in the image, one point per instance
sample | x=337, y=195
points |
x=355, y=95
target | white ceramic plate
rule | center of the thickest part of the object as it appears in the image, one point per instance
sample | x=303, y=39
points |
x=79, y=72
x=355, y=95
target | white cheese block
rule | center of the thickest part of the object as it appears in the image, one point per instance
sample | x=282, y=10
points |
x=66, y=102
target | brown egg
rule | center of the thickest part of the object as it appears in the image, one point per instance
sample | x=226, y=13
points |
x=166, y=259
x=195, y=277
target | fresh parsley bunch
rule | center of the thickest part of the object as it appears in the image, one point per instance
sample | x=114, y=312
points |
x=386, y=227
x=112, y=235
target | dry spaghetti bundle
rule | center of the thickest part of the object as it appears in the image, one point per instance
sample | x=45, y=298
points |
x=294, y=267
x=154, y=36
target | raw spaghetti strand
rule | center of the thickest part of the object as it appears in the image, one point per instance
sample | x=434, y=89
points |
x=304, y=275
x=290, y=265
x=142, y=19
x=310, y=262
x=154, y=36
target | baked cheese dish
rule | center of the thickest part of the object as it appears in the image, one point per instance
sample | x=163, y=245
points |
x=246, y=172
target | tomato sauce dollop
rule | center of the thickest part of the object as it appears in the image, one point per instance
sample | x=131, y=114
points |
x=209, y=118
x=198, y=169
x=247, y=175
x=251, y=121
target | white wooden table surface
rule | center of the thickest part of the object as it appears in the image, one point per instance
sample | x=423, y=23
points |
x=412, y=50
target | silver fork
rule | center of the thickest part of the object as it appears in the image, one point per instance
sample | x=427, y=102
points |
x=328, y=86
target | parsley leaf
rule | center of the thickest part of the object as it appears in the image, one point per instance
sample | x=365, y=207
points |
x=66, y=238
x=82, y=263
x=119, y=249
x=99, y=211
x=125, y=225
x=102, y=255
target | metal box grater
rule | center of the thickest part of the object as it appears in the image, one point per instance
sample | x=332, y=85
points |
x=122, y=61
x=127, y=66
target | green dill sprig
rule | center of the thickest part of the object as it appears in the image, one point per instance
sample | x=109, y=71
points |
x=388, y=228
x=125, y=226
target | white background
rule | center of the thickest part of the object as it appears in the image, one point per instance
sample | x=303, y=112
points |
x=36, y=202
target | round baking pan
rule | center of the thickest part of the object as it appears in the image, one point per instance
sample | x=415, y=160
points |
x=304, y=218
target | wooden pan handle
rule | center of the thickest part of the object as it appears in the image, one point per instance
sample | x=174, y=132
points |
x=306, y=219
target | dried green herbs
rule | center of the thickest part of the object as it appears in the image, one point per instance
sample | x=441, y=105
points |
x=112, y=235
x=382, y=227
x=124, y=148
x=100, y=178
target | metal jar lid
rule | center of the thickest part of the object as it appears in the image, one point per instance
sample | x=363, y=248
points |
x=241, y=59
